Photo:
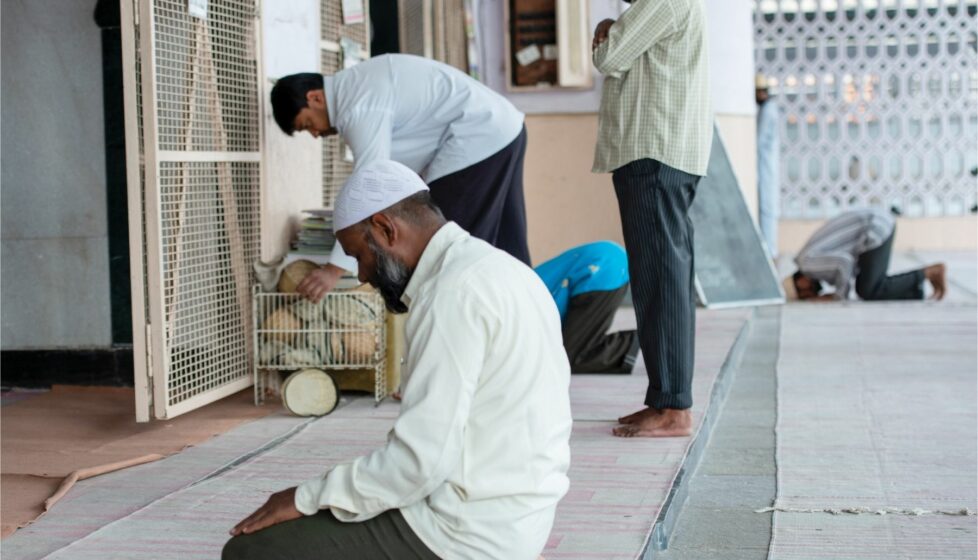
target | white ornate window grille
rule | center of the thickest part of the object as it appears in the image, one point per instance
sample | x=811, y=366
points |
x=877, y=100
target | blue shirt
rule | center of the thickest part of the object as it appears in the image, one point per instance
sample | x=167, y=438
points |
x=598, y=266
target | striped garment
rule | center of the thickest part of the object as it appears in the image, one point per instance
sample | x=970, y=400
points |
x=833, y=250
x=655, y=102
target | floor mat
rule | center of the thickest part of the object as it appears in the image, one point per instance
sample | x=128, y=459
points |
x=876, y=432
x=606, y=514
x=49, y=435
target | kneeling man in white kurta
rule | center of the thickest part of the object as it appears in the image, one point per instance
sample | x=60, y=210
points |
x=478, y=457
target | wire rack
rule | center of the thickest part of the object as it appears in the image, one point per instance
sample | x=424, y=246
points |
x=346, y=330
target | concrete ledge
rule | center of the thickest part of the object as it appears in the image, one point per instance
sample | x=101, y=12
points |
x=672, y=508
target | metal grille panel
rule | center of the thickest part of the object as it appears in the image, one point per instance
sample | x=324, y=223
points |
x=205, y=322
x=205, y=71
x=412, y=28
x=199, y=138
x=452, y=41
x=878, y=103
x=434, y=29
x=335, y=167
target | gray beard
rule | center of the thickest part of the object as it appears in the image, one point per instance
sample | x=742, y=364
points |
x=390, y=278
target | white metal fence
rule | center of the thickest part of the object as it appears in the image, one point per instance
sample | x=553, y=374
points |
x=194, y=184
x=878, y=103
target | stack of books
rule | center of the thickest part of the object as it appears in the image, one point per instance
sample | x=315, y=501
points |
x=316, y=233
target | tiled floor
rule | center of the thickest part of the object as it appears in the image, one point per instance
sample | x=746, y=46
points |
x=617, y=489
x=877, y=412
x=182, y=507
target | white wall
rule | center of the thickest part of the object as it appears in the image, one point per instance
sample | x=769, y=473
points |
x=731, y=37
x=55, y=250
x=731, y=59
x=292, y=165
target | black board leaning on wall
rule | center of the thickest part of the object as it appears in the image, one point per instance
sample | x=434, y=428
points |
x=732, y=265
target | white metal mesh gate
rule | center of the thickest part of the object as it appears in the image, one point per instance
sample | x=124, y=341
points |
x=878, y=103
x=193, y=134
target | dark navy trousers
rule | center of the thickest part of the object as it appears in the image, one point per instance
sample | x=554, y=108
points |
x=486, y=199
x=654, y=201
x=872, y=283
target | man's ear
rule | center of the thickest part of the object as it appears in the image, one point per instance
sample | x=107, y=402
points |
x=316, y=99
x=386, y=229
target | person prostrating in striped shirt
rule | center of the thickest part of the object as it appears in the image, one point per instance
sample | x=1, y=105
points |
x=853, y=249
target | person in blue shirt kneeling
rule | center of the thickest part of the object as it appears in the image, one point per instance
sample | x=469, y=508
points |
x=588, y=284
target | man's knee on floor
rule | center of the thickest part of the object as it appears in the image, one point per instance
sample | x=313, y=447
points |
x=245, y=547
x=234, y=549
x=866, y=292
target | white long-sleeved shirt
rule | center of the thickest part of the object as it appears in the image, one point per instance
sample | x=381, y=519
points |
x=832, y=252
x=478, y=457
x=427, y=115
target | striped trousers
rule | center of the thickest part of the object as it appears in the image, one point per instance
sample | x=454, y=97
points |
x=654, y=201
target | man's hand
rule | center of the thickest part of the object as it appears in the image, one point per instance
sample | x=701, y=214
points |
x=319, y=282
x=601, y=33
x=279, y=507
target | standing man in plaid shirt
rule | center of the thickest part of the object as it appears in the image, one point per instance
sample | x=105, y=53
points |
x=654, y=136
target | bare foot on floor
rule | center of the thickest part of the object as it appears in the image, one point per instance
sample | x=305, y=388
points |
x=637, y=416
x=668, y=422
x=936, y=274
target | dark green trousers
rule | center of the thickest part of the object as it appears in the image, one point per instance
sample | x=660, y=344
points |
x=589, y=347
x=872, y=283
x=322, y=536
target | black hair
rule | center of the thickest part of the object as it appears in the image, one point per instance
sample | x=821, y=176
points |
x=289, y=97
x=815, y=284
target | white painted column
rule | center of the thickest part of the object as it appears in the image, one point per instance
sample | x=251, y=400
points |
x=292, y=166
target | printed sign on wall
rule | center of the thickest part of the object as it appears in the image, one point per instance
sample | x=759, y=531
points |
x=197, y=8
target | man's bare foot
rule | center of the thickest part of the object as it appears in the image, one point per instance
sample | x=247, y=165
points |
x=637, y=416
x=936, y=274
x=668, y=422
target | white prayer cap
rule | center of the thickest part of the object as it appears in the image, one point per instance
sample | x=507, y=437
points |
x=372, y=188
